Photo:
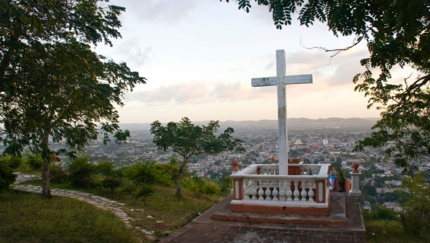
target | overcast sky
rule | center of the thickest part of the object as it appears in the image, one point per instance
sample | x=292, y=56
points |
x=199, y=57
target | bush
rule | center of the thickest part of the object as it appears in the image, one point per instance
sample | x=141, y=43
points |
x=35, y=162
x=105, y=168
x=144, y=191
x=12, y=162
x=57, y=174
x=6, y=176
x=151, y=173
x=111, y=183
x=416, y=207
x=197, y=185
x=81, y=172
x=381, y=213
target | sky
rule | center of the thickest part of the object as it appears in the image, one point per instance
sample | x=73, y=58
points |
x=199, y=56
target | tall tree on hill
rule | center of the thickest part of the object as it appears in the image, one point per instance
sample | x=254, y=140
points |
x=187, y=139
x=397, y=34
x=52, y=85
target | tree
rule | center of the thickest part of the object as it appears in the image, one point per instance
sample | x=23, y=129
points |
x=187, y=139
x=397, y=34
x=53, y=87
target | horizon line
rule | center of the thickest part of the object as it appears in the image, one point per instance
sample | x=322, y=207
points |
x=364, y=118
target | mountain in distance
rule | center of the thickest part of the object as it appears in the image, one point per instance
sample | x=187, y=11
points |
x=292, y=123
x=306, y=123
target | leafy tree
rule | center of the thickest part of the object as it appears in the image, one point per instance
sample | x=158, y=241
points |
x=187, y=139
x=6, y=176
x=53, y=87
x=397, y=34
x=416, y=206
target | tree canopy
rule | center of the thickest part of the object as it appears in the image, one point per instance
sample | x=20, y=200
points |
x=53, y=86
x=397, y=34
x=187, y=139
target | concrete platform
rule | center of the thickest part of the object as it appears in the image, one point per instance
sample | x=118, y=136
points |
x=344, y=224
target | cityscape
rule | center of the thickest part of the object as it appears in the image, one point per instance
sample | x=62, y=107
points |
x=327, y=141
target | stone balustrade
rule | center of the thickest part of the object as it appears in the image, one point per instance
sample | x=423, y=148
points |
x=260, y=189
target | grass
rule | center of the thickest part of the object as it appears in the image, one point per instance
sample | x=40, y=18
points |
x=381, y=231
x=27, y=217
x=167, y=212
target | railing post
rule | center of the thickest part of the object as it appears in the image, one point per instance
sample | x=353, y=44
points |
x=355, y=181
x=237, y=191
x=321, y=191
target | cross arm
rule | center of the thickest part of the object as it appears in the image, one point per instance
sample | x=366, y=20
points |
x=272, y=81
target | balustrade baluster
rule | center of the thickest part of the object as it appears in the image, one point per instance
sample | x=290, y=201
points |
x=289, y=192
x=296, y=191
x=311, y=193
x=268, y=192
x=254, y=190
x=303, y=194
x=246, y=190
x=282, y=190
x=275, y=190
x=260, y=191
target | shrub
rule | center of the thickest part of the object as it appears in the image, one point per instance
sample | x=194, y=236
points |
x=81, y=172
x=57, y=174
x=416, y=207
x=6, y=176
x=144, y=191
x=12, y=162
x=111, y=183
x=381, y=213
x=35, y=162
x=151, y=173
x=105, y=168
x=197, y=185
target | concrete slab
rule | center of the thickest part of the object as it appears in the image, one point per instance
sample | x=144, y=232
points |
x=205, y=229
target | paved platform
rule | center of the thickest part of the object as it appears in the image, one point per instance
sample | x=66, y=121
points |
x=343, y=209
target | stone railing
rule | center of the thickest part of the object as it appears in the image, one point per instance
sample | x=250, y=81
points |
x=261, y=185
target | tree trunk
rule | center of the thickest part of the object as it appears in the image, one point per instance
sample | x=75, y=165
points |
x=178, y=183
x=46, y=185
x=178, y=178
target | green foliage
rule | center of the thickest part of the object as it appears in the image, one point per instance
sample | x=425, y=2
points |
x=35, y=162
x=12, y=161
x=104, y=168
x=151, y=173
x=80, y=172
x=341, y=181
x=53, y=85
x=111, y=183
x=416, y=208
x=57, y=174
x=397, y=34
x=197, y=185
x=381, y=213
x=6, y=176
x=144, y=191
x=187, y=139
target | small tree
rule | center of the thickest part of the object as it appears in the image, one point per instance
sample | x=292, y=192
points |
x=187, y=139
x=416, y=208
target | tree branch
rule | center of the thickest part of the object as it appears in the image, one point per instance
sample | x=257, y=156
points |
x=337, y=50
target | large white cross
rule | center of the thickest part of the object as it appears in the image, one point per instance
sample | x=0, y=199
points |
x=281, y=80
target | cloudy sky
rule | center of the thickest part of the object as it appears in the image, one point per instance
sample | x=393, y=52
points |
x=199, y=57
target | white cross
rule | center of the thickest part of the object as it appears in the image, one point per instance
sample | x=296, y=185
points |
x=281, y=80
